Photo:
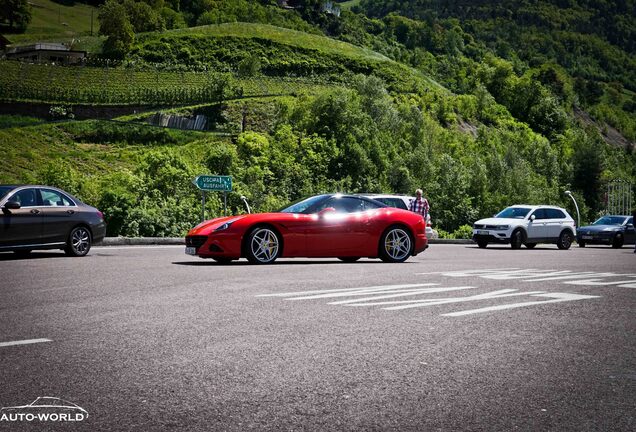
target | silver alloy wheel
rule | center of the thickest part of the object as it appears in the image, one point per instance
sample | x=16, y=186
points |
x=264, y=245
x=397, y=244
x=80, y=241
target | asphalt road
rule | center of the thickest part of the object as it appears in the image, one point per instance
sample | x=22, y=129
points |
x=457, y=338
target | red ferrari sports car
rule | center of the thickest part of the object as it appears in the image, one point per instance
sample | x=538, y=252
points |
x=333, y=225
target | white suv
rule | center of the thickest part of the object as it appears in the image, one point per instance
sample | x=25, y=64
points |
x=402, y=202
x=528, y=225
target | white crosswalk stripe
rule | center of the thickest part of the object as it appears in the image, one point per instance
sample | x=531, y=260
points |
x=412, y=296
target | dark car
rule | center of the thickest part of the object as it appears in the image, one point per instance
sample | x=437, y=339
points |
x=615, y=230
x=44, y=217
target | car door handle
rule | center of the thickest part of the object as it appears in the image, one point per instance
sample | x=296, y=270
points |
x=70, y=211
x=35, y=211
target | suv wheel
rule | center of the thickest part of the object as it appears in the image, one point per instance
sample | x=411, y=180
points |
x=482, y=243
x=516, y=239
x=618, y=241
x=565, y=240
x=530, y=245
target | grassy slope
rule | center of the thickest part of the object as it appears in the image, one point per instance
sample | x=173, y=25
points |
x=31, y=149
x=279, y=35
x=56, y=22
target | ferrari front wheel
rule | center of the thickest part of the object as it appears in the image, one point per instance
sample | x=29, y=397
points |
x=263, y=246
x=396, y=245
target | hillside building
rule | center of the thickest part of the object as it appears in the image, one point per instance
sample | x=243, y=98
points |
x=46, y=53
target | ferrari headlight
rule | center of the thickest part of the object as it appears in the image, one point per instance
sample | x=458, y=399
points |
x=225, y=226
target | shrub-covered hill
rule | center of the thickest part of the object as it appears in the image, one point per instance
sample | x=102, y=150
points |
x=510, y=130
x=471, y=158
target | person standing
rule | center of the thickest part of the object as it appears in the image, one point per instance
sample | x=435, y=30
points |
x=419, y=204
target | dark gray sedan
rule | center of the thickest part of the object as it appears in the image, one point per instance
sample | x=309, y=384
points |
x=44, y=217
x=612, y=230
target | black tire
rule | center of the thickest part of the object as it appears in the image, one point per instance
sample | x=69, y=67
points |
x=396, y=245
x=565, y=240
x=581, y=243
x=482, y=243
x=530, y=245
x=618, y=241
x=22, y=253
x=263, y=246
x=79, y=242
x=222, y=260
x=349, y=259
x=516, y=239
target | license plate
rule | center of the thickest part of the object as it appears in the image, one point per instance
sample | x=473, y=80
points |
x=587, y=237
x=484, y=232
x=191, y=250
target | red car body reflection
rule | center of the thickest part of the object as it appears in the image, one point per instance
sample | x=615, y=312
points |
x=343, y=226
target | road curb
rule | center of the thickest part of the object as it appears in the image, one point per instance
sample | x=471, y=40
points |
x=143, y=241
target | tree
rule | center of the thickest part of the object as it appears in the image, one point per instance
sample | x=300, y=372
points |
x=15, y=12
x=114, y=23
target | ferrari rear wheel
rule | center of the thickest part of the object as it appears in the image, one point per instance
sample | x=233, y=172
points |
x=349, y=259
x=395, y=245
x=263, y=246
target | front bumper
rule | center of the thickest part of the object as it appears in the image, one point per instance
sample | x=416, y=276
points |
x=492, y=236
x=595, y=238
x=216, y=245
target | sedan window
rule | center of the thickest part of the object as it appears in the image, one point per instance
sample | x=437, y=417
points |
x=26, y=198
x=392, y=202
x=54, y=198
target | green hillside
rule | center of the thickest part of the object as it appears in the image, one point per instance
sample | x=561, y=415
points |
x=358, y=108
x=56, y=21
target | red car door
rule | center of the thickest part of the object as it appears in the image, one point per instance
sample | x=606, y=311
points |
x=338, y=232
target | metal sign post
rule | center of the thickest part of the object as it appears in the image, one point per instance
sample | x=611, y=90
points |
x=215, y=184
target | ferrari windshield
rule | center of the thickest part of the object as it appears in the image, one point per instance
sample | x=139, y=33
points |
x=513, y=213
x=610, y=220
x=301, y=206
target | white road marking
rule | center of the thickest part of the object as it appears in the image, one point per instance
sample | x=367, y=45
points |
x=478, y=297
x=364, y=301
x=468, y=273
x=24, y=342
x=557, y=298
x=345, y=290
x=538, y=275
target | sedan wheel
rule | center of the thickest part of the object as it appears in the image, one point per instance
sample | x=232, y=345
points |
x=263, y=246
x=79, y=242
x=581, y=243
x=565, y=240
x=395, y=245
x=618, y=241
